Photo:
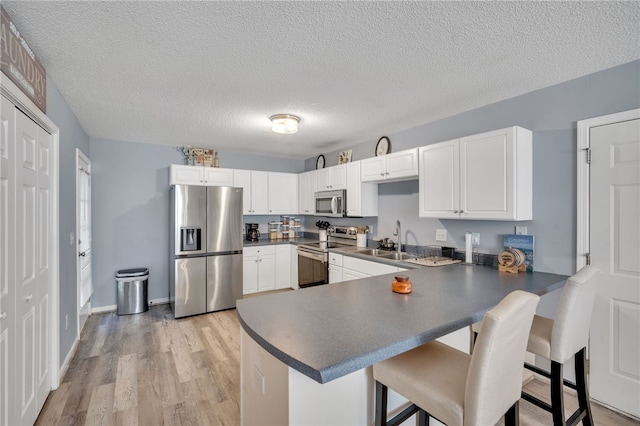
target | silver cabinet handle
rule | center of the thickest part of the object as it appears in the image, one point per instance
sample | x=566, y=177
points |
x=382, y=174
x=455, y=211
x=29, y=297
x=461, y=211
x=3, y=315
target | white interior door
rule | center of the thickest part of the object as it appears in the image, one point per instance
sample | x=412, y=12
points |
x=26, y=266
x=83, y=242
x=614, y=241
x=7, y=262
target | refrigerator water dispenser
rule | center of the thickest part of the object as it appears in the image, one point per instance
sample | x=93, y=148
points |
x=190, y=238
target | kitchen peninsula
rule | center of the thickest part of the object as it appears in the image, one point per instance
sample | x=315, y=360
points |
x=306, y=354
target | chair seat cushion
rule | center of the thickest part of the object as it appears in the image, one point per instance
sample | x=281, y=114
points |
x=432, y=376
x=540, y=337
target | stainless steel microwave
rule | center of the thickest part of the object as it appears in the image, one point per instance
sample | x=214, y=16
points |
x=331, y=203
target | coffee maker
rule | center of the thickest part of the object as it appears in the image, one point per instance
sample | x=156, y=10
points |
x=251, y=231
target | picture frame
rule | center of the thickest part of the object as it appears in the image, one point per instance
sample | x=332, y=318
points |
x=344, y=157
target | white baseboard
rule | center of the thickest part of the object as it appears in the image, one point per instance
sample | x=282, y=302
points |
x=67, y=360
x=111, y=308
x=102, y=309
x=160, y=301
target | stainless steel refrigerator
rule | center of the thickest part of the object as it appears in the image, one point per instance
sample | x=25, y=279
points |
x=206, y=249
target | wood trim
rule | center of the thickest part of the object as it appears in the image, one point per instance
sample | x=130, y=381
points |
x=582, y=192
x=31, y=110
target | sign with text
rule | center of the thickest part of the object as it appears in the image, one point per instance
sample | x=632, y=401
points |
x=19, y=63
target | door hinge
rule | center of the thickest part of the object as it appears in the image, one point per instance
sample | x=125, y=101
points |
x=588, y=255
x=588, y=155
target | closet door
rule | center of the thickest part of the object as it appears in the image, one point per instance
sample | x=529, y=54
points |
x=43, y=265
x=26, y=222
x=8, y=411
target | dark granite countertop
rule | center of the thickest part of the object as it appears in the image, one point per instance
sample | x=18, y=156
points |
x=329, y=331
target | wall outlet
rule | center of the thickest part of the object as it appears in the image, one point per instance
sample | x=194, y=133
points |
x=475, y=238
x=521, y=230
x=441, y=235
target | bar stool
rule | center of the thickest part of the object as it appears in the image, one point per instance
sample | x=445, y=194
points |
x=564, y=338
x=461, y=389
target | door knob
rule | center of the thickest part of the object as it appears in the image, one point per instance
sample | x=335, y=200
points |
x=82, y=253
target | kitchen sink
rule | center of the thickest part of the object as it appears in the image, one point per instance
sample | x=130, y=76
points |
x=372, y=252
x=396, y=256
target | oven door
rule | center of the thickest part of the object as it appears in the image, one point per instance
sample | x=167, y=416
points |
x=313, y=268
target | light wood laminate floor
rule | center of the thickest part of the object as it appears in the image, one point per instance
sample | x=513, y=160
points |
x=150, y=369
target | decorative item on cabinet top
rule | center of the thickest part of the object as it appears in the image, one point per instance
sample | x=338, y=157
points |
x=199, y=156
x=344, y=157
x=383, y=146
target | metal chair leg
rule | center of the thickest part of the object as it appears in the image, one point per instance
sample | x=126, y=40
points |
x=381, y=404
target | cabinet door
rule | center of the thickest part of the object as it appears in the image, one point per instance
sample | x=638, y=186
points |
x=217, y=177
x=402, y=165
x=249, y=274
x=266, y=272
x=283, y=266
x=323, y=179
x=338, y=177
x=283, y=193
x=349, y=274
x=306, y=191
x=335, y=274
x=242, y=179
x=439, y=180
x=186, y=175
x=354, y=193
x=373, y=169
x=259, y=192
x=486, y=176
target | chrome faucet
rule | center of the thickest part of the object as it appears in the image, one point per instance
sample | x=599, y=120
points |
x=398, y=232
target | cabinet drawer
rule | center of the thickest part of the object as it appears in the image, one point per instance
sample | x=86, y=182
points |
x=260, y=251
x=335, y=259
x=367, y=267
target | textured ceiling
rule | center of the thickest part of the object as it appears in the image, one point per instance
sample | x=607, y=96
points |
x=211, y=74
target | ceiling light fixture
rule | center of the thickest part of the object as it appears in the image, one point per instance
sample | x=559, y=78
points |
x=285, y=124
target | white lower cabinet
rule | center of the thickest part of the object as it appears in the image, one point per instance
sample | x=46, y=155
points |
x=258, y=269
x=346, y=268
x=283, y=266
x=269, y=267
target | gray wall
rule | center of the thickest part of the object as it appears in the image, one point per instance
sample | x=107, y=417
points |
x=72, y=136
x=130, y=209
x=552, y=114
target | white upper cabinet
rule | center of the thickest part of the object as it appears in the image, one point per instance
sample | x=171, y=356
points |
x=331, y=178
x=255, y=192
x=306, y=190
x=362, y=198
x=397, y=166
x=283, y=193
x=198, y=175
x=487, y=176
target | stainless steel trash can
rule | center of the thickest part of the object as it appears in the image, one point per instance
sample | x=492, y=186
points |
x=132, y=289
